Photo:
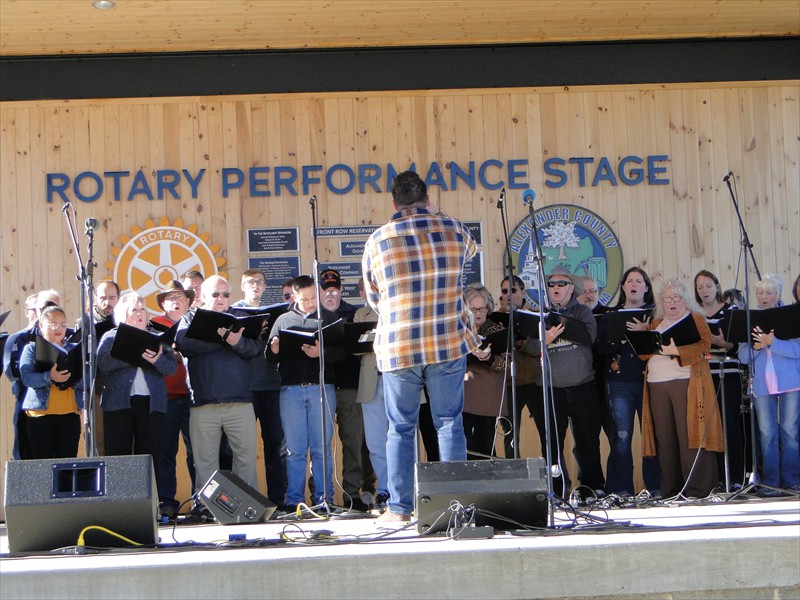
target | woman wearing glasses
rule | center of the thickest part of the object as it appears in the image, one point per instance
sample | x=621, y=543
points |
x=53, y=421
x=680, y=419
x=135, y=397
x=484, y=381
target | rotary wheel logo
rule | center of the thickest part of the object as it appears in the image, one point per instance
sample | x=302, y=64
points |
x=157, y=254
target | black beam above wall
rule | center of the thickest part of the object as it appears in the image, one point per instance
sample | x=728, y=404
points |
x=541, y=65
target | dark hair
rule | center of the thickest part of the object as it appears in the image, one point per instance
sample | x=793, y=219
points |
x=517, y=282
x=288, y=283
x=108, y=282
x=713, y=278
x=408, y=189
x=649, y=297
x=192, y=274
x=302, y=281
x=53, y=308
x=794, y=289
x=734, y=296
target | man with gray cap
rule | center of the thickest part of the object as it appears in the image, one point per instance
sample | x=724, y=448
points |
x=574, y=397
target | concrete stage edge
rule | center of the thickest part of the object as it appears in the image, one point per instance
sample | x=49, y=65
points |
x=725, y=550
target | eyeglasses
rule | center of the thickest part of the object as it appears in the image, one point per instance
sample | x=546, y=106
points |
x=590, y=291
x=218, y=294
x=504, y=291
x=672, y=299
x=254, y=282
x=30, y=309
x=480, y=309
x=287, y=296
x=332, y=292
x=175, y=298
x=559, y=283
x=55, y=326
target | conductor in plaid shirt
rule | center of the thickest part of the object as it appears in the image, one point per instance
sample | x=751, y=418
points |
x=412, y=270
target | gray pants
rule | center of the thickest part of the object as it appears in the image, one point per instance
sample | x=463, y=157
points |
x=238, y=421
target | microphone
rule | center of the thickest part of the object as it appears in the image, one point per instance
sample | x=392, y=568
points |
x=728, y=176
x=501, y=198
x=528, y=196
x=92, y=223
x=313, y=200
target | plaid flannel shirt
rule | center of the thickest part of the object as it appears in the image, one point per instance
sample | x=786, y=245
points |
x=413, y=267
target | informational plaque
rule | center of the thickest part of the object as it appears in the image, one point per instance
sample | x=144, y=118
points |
x=273, y=239
x=473, y=270
x=476, y=229
x=276, y=270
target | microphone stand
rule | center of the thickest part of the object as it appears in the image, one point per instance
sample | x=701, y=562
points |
x=747, y=249
x=88, y=338
x=323, y=400
x=541, y=290
x=511, y=343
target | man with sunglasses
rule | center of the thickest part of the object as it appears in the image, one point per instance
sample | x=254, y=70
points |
x=574, y=397
x=219, y=379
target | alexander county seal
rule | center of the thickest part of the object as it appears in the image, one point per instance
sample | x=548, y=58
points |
x=573, y=237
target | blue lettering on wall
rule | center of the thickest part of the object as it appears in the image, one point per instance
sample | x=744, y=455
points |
x=341, y=179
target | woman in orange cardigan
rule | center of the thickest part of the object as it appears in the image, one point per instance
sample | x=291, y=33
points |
x=681, y=424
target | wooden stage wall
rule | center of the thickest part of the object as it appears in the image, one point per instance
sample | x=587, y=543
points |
x=706, y=130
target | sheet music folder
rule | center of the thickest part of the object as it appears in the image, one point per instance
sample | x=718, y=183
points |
x=683, y=333
x=357, y=338
x=617, y=321
x=48, y=354
x=783, y=320
x=131, y=342
x=205, y=323
x=292, y=340
x=526, y=325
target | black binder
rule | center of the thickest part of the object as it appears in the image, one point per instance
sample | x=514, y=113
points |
x=644, y=342
x=130, y=342
x=783, y=320
x=293, y=339
x=498, y=340
x=48, y=354
x=205, y=323
x=617, y=321
x=357, y=337
x=272, y=312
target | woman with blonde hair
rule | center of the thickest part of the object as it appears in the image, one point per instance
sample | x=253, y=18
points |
x=776, y=385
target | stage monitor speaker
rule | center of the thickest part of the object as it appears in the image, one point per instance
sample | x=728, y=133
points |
x=231, y=500
x=514, y=489
x=49, y=502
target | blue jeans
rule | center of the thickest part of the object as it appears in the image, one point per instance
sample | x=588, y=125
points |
x=780, y=447
x=302, y=427
x=376, y=427
x=176, y=423
x=402, y=389
x=624, y=401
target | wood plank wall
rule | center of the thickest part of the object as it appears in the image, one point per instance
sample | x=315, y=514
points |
x=752, y=129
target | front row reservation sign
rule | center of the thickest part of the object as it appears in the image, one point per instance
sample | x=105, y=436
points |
x=284, y=180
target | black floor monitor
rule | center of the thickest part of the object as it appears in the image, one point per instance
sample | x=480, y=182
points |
x=513, y=490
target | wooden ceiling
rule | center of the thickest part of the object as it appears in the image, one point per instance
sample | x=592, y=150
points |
x=56, y=27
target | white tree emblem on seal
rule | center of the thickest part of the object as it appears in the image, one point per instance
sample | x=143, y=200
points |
x=561, y=234
x=152, y=257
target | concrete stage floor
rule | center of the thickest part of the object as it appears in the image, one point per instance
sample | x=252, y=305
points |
x=743, y=548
